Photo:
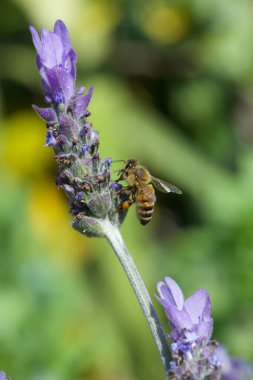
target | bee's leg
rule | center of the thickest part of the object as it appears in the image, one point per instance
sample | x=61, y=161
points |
x=124, y=190
x=119, y=179
x=120, y=173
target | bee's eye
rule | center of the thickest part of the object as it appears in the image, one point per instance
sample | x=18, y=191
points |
x=130, y=164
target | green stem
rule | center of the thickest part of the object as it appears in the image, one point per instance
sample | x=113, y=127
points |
x=114, y=237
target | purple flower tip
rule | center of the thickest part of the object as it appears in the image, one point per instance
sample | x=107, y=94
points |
x=56, y=61
x=192, y=315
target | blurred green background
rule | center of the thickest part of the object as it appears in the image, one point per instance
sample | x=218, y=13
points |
x=174, y=89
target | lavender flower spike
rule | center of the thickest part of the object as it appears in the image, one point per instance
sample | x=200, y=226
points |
x=194, y=354
x=83, y=176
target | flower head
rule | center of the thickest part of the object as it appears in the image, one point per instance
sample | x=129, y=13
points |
x=190, y=319
x=191, y=316
x=82, y=174
x=195, y=355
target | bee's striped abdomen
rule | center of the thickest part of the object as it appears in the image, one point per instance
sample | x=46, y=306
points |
x=145, y=202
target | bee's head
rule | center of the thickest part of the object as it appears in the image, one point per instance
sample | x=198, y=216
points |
x=131, y=164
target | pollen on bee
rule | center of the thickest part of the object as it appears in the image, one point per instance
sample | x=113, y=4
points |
x=125, y=205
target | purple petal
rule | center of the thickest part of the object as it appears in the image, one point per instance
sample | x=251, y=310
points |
x=70, y=63
x=175, y=294
x=163, y=301
x=55, y=82
x=178, y=318
x=167, y=297
x=205, y=329
x=43, y=33
x=82, y=102
x=36, y=39
x=61, y=30
x=196, y=304
x=52, y=50
x=47, y=114
x=60, y=83
x=162, y=290
x=89, y=95
x=206, y=315
x=80, y=106
x=39, y=62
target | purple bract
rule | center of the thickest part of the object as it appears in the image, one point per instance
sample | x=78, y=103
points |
x=195, y=355
x=192, y=350
x=190, y=316
x=56, y=61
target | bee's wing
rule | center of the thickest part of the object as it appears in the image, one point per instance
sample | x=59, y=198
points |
x=165, y=187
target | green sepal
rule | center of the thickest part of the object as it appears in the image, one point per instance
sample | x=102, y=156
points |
x=87, y=225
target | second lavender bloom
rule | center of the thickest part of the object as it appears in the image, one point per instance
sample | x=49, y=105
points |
x=190, y=319
x=195, y=355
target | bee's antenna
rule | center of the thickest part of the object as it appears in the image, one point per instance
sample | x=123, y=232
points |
x=118, y=161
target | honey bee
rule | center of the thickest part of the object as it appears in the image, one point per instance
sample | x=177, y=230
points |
x=141, y=189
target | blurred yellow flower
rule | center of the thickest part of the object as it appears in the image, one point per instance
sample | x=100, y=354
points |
x=48, y=216
x=164, y=23
x=97, y=17
x=26, y=160
x=23, y=152
x=94, y=22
